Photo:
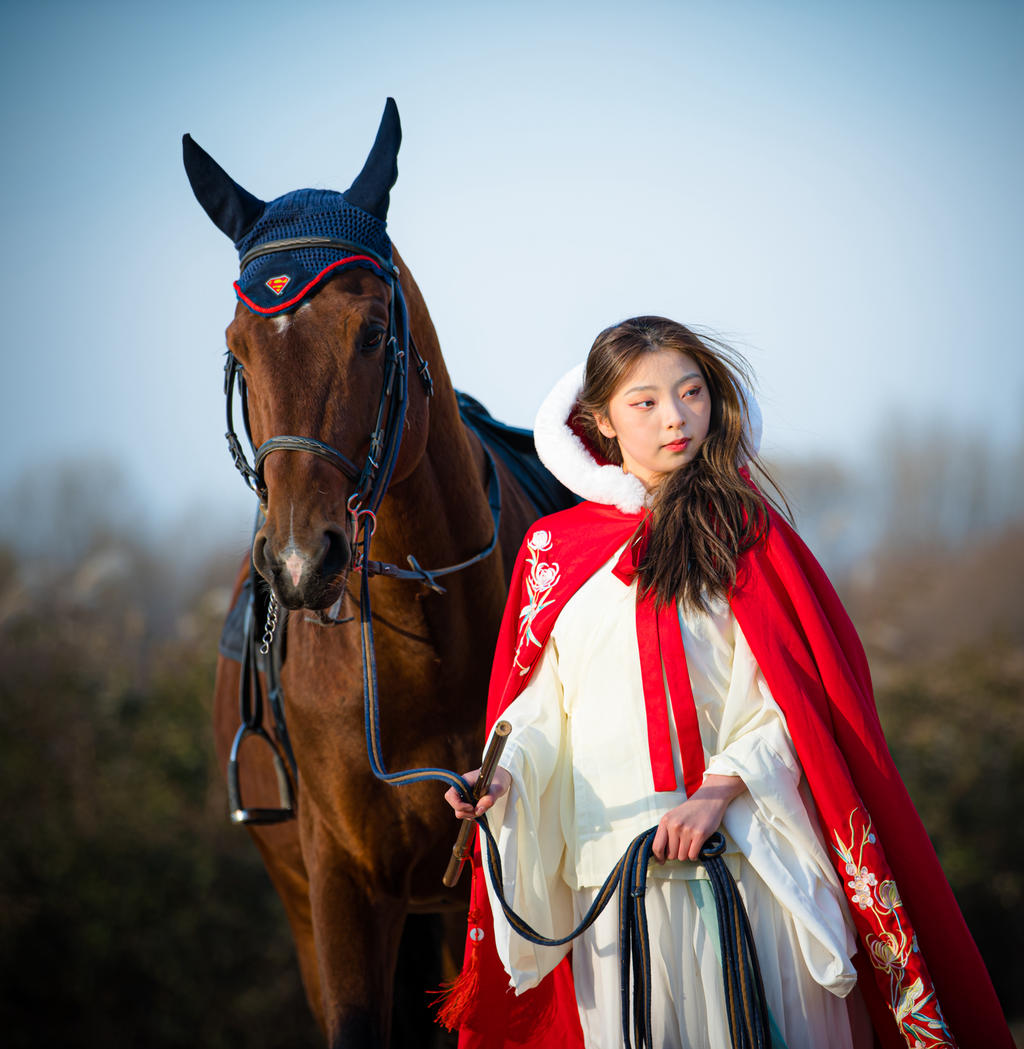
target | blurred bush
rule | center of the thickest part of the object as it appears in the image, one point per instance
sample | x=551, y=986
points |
x=955, y=731
x=131, y=912
x=944, y=631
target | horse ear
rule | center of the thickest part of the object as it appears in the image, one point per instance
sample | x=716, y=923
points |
x=233, y=209
x=372, y=187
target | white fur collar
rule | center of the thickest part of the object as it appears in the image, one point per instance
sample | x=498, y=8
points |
x=569, y=459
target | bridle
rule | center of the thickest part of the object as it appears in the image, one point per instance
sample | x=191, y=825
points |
x=373, y=477
x=371, y=482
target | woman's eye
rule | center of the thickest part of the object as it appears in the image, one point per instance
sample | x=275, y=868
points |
x=643, y=404
x=693, y=391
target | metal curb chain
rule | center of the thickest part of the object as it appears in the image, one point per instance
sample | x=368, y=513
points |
x=271, y=626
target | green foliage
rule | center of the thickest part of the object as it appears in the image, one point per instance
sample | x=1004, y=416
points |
x=944, y=631
x=131, y=912
x=955, y=731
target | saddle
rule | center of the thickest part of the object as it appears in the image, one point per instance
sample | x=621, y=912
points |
x=515, y=447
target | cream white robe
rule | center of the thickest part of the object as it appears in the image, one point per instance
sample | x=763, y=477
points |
x=583, y=789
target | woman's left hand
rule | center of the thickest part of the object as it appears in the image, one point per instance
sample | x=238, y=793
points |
x=683, y=830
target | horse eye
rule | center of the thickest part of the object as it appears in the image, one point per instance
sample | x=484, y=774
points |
x=372, y=340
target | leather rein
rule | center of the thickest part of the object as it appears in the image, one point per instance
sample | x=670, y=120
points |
x=371, y=483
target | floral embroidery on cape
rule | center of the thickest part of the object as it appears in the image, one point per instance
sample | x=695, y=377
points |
x=541, y=577
x=885, y=929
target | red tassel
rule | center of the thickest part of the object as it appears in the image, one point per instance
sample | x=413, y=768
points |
x=454, y=999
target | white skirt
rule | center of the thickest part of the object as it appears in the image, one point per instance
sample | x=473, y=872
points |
x=687, y=993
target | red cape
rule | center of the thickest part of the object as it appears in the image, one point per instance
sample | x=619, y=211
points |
x=915, y=949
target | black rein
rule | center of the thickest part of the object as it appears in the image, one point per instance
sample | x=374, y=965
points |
x=371, y=483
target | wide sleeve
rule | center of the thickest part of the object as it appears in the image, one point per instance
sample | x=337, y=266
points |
x=770, y=823
x=530, y=824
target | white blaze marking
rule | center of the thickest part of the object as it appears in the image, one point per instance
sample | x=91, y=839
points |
x=294, y=559
x=281, y=322
x=294, y=563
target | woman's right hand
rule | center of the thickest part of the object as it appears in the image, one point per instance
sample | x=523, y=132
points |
x=465, y=810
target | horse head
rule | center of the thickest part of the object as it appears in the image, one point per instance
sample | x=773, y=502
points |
x=318, y=333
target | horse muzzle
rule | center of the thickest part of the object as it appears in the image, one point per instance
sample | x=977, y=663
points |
x=308, y=574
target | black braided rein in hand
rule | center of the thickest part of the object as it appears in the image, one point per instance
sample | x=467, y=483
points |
x=746, y=1008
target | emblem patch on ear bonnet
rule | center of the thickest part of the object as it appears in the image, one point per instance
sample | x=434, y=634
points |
x=306, y=214
x=310, y=234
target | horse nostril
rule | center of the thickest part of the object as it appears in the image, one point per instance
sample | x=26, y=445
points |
x=339, y=553
x=259, y=552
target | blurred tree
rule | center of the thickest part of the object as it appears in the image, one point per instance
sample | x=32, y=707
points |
x=826, y=500
x=944, y=628
x=131, y=912
x=954, y=729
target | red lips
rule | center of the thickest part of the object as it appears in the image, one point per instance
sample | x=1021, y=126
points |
x=678, y=446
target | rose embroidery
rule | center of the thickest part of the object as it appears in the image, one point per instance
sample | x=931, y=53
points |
x=544, y=576
x=541, y=577
x=540, y=540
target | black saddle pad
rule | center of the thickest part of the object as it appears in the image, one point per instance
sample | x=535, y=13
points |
x=516, y=449
x=232, y=635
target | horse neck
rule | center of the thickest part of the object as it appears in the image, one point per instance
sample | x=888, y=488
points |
x=439, y=512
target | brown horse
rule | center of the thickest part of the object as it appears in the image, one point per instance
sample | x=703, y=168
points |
x=362, y=854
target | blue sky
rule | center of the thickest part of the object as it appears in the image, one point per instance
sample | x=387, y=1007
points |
x=834, y=187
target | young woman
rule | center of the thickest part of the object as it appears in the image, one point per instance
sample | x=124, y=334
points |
x=672, y=655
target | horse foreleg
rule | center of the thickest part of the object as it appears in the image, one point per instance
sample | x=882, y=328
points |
x=429, y=956
x=358, y=928
x=282, y=855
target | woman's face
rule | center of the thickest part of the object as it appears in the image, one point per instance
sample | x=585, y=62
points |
x=659, y=415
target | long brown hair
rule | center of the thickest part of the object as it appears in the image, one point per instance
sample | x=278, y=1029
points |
x=705, y=514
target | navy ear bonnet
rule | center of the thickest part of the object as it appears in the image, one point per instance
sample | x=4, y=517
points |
x=279, y=281
x=280, y=278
